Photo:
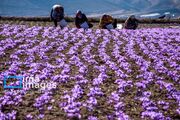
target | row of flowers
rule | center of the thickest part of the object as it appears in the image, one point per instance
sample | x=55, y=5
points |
x=125, y=61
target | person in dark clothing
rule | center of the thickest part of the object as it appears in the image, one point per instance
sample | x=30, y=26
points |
x=81, y=20
x=131, y=23
x=107, y=22
x=57, y=14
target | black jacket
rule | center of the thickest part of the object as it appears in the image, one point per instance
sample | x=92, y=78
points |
x=79, y=21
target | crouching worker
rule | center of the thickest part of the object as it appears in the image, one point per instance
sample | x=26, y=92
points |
x=107, y=22
x=131, y=23
x=81, y=21
x=57, y=15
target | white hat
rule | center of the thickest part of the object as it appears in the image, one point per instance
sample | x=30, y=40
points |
x=56, y=6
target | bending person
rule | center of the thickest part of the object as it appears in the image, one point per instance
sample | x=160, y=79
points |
x=131, y=23
x=107, y=22
x=81, y=20
x=57, y=15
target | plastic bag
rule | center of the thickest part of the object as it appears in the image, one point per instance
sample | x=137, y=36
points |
x=63, y=23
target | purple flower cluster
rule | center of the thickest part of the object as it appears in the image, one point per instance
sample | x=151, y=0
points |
x=94, y=65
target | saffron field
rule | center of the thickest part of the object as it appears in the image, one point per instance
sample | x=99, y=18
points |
x=100, y=74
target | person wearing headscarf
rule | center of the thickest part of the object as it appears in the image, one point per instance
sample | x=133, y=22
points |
x=57, y=14
x=107, y=22
x=81, y=20
x=131, y=23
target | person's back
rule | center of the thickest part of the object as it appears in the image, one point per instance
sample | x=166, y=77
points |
x=131, y=23
x=81, y=20
x=107, y=22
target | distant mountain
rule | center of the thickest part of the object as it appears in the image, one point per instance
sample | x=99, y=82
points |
x=117, y=8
